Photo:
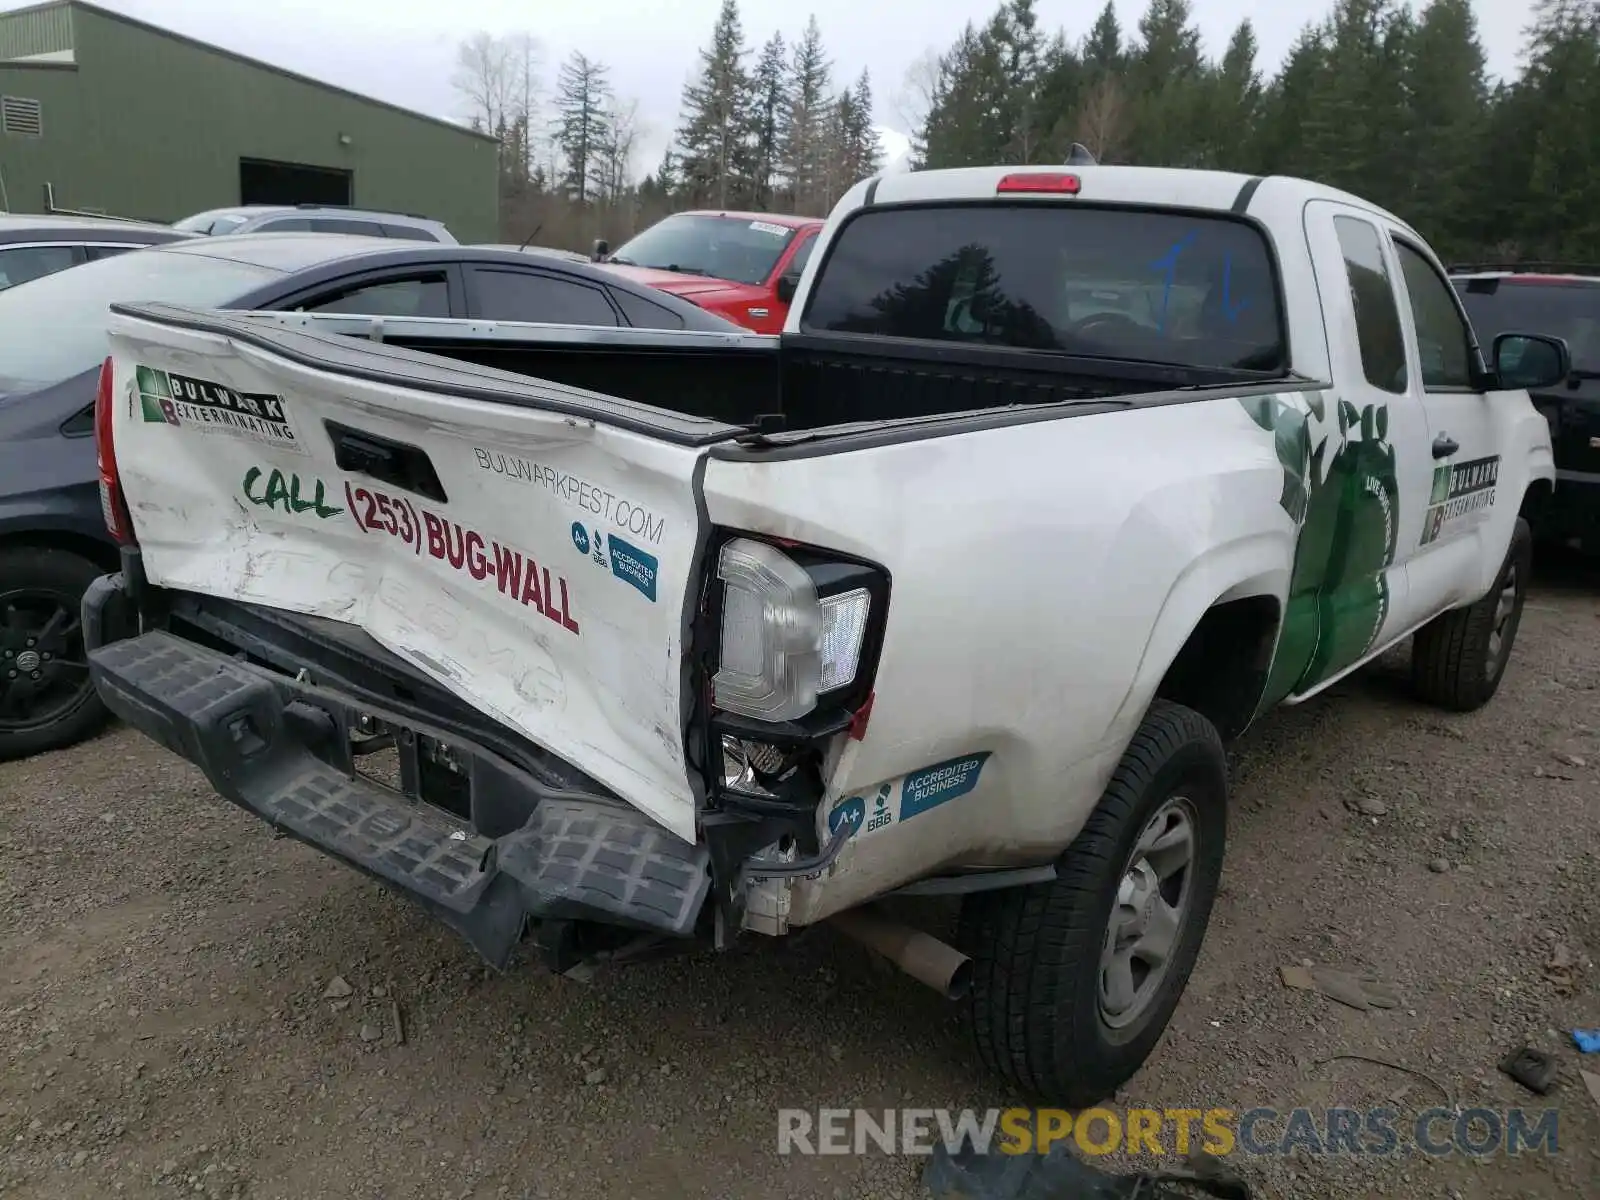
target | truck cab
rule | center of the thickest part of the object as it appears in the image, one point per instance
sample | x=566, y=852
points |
x=742, y=266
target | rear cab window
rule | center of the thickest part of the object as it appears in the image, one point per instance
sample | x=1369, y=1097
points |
x=1151, y=285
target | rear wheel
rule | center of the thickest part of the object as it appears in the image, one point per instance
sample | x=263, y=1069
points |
x=46, y=699
x=1459, y=657
x=1074, y=980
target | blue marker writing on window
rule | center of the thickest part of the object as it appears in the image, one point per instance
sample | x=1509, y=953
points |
x=1230, y=310
x=1168, y=264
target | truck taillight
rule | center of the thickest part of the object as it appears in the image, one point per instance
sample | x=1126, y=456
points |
x=799, y=630
x=113, y=507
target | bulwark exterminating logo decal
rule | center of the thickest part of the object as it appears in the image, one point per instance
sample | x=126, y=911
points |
x=212, y=408
x=1460, y=490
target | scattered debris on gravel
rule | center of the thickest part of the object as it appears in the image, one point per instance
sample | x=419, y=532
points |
x=190, y=1006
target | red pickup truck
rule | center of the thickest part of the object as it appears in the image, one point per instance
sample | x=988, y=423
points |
x=742, y=266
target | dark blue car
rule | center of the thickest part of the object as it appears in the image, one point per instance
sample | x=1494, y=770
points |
x=53, y=541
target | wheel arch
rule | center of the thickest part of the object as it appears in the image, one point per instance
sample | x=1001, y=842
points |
x=1212, y=644
x=96, y=550
x=1221, y=669
x=1539, y=492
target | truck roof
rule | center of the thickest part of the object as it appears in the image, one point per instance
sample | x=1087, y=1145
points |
x=1166, y=187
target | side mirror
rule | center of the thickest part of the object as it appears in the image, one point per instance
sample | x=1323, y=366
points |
x=1531, y=360
x=788, y=285
x=601, y=249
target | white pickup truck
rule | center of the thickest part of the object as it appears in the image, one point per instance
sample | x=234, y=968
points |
x=1057, y=479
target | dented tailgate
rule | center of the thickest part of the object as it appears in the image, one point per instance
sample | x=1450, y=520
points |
x=528, y=545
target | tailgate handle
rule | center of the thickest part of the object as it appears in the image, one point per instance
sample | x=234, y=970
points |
x=386, y=460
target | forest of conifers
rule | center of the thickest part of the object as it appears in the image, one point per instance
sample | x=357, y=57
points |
x=1385, y=99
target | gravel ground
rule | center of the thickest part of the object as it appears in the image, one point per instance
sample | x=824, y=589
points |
x=189, y=1006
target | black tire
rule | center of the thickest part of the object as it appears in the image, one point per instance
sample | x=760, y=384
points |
x=1459, y=657
x=30, y=578
x=1036, y=1007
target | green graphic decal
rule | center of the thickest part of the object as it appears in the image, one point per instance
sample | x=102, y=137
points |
x=155, y=395
x=1339, y=486
x=1287, y=424
x=284, y=492
x=209, y=408
x=1441, y=486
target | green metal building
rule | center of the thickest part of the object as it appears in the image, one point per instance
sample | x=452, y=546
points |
x=102, y=113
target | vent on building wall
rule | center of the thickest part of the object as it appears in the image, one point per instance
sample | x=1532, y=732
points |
x=21, y=117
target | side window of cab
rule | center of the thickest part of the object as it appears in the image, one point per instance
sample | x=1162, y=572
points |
x=1444, y=343
x=1378, y=332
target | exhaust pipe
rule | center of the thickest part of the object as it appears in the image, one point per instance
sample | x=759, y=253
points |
x=923, y=957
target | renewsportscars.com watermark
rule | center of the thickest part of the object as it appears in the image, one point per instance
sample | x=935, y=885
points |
x=1177, y=1132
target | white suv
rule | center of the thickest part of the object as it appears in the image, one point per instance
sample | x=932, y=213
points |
x=316, y=218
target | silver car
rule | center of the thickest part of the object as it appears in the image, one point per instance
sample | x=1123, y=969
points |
x=316, y=218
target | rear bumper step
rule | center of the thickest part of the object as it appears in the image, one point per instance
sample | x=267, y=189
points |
x=254, y=733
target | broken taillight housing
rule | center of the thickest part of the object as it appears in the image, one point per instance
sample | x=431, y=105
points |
x=113, y=505
x=798, y=628
x=749, y=766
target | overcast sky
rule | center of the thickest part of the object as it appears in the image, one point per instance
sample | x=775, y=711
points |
x=404, y=51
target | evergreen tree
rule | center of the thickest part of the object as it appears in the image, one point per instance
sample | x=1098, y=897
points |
x=953, y=136
x=1556, y=103
x=1169, y=48
x=1386, y=98
x=769, y=98
x=666, y=180
x=1449, y=110
x=987, y=108
x=1013, y=34
x=583, y=124
x=855, y=153
x=866, y=148
x=1357, y=127
x=1103, y=118
x=838, y=171
x=803, y=134
x=1166, y=78
x=1102, y=49
x=1232, y=105
x=714, y=136
x=1286, y=108
x=1062, y=79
